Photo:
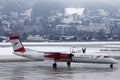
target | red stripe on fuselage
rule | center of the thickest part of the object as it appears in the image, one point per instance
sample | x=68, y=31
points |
x=57, y=56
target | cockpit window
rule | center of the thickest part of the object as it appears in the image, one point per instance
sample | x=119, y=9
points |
x=106, y=56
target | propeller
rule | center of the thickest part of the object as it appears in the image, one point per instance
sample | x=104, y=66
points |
x=71, y=55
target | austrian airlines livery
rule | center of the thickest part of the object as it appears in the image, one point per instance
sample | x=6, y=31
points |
x=58, y=56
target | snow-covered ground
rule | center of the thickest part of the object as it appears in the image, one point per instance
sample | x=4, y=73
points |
x=65, y=43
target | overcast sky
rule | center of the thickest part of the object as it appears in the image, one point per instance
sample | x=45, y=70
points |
x=115, y=3
x=111, y=2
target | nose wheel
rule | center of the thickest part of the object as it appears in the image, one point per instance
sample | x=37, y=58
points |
x=54, y=65
x=111, y=66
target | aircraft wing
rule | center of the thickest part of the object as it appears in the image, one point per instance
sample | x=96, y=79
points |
x=54, y=55
x=45, y=52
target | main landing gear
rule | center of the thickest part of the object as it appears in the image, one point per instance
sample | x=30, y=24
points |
x=70, y=60
x=54, y=65
x=68, y=64
x=111, y=66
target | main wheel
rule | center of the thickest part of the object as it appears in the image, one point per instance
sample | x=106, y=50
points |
x=54, y=65
x=68, y=64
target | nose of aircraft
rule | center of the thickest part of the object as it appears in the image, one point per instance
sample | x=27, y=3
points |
x=114, y=61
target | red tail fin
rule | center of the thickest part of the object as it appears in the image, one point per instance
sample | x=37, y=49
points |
x=16, y=44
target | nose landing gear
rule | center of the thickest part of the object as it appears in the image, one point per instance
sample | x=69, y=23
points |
x=111, y=66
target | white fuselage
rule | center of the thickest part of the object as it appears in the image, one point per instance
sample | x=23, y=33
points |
x=91, y=58
x=78, y=57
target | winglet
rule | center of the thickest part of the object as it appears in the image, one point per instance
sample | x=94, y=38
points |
x=16, y=44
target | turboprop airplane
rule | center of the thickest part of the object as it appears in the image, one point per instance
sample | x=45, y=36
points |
x=58, y=56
